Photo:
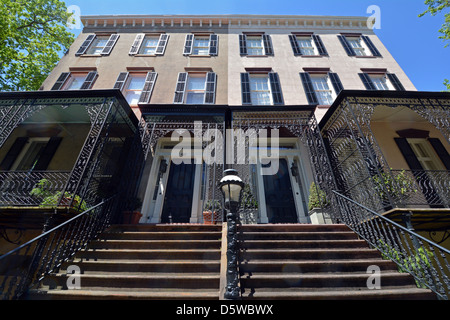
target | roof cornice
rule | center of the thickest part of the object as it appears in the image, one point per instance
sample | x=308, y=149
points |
x=99, y=21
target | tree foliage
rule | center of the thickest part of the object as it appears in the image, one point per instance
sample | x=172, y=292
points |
x=33, y=34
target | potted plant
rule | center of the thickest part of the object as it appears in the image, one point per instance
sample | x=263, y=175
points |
x=318, y=205
x=132, y=215
x=212, y=212
x=52, y=199
x=250, y=205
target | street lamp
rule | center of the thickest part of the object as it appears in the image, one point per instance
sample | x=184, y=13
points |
x=231, y=186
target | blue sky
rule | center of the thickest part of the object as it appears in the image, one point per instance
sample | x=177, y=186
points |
x=413, y=41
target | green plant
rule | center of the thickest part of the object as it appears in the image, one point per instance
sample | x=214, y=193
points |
x=212, y=205
x=416, y=264
x=317, y=197
x=51, y=198
x=398, y=186
x=248, y=201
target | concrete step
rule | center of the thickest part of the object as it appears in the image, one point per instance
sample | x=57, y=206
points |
x=294, y=235
x=158, y=235
x=293, y=228
x=385, y=293
x=137, y=281
x=307, y=254
x=137, y=266
x=314, y=266
x=323, y=280
x=99, y=254
x=299, y=244
x=164, y=228
x=126, y=294
x=155, y=244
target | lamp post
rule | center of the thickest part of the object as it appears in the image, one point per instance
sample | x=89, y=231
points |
x=231, y=186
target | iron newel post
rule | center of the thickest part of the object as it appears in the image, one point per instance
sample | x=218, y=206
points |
x=231, y=186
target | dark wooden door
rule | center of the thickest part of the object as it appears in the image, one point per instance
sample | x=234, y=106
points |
x=280, y=204
x=178, y=199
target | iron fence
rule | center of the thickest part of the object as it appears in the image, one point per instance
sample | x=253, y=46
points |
x=426, y=261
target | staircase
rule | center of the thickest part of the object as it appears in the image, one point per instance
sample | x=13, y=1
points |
x=171, y=262
x=167, y=262
x=316, y=262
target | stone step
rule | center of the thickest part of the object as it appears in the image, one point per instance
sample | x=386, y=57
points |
x=293, y=228
x=306, y=254
x=150, y=235
x=273, y=244
x=323, y=280
x=138, y=266
x=164, y=228
x=98, y=254
x=126, y=294
x=319, y=235
x=155, y=244
x=315, y=266
x=399, y=293
x=141, y=281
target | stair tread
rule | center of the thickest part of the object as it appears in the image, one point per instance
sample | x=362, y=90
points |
x=144, y=275
x=322, y=275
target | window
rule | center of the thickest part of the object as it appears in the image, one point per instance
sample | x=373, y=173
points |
x=307, y=45
x=137, y=87
x=425, y=154
x=201, y=45
x=358, y=45
x=75, y=80
x=261, y=88
x=255, y=45
x=28, y=154
x=149, y=44
x=381, y=81
x=321, y=88
x=97, y=45
x=196, y=88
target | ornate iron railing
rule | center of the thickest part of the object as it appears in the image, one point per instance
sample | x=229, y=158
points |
x=16, y=186
x=422, y=188
x=26, y=266
x=426, y=261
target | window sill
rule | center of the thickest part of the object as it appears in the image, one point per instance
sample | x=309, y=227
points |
x=90, y=56
x=256, y=56
x=366, y=57
x=312, y=56
x=199, y=56
x=144, y=55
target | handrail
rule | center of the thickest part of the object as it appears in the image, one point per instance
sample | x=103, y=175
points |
x=425, y=260
x=24, y=267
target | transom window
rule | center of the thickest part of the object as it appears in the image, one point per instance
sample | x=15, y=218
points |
x=260, y=90
x=149, y=45
x=195, y=90
x=201, y=45
x=255, y=46
x=306, y=46
x=98, y=45
x=322, y=89
x=133, y=89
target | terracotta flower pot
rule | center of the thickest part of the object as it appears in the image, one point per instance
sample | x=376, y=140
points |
x=131, y=217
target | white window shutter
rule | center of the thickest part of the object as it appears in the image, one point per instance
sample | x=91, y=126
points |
x=162, y=43
x=110, y=44
x=136, y=44
x=85, y=45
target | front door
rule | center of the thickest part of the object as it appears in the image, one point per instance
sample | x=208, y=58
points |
x=280, y=204
x=177, y=206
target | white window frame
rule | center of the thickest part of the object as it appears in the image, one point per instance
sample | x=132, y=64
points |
x=379, y=79
x=252, y=78
x=92, y=51
x=303, y=49
x=143, y=47
x=126, y=89
x=188, y=91
x=196, y=47
x=318, y=91
x=250, y=49
x=360, y=47
x=71, y=80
